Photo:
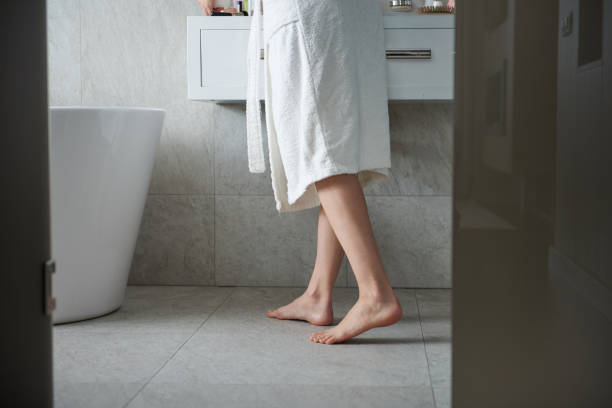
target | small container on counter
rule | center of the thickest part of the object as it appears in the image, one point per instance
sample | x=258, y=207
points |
x=400, y=5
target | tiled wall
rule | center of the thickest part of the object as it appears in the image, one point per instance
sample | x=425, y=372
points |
x=207, y=219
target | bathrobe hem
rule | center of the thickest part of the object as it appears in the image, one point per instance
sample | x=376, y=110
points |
x=308, y=196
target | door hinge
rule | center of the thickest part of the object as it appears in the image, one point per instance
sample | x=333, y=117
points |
x=567, y=24
x=49, y=300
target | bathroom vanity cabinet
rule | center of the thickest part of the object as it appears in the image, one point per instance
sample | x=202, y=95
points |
x=419, y=49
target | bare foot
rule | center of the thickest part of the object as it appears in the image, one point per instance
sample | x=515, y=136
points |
x=316, y=310
x=366, y=314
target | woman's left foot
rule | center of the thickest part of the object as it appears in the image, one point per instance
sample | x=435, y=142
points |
x=314, y=309
x=366, y=314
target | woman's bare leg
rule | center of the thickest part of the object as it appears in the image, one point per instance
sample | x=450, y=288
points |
x=342, y=199
x=314, y=305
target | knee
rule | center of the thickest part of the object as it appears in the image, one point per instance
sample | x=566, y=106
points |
x=336, y=179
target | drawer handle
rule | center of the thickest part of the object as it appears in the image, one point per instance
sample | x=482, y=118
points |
x=409, y=53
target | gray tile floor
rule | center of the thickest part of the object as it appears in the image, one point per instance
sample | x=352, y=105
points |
x=183, y=346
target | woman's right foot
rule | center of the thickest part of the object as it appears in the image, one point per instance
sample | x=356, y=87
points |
x=313, y=309
x=367, y=313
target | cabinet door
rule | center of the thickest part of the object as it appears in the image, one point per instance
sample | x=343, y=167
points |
x=420, y=63
x=217, y=68
x=223, y=59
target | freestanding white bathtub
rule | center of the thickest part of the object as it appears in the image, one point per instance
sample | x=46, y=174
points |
x=101, y=160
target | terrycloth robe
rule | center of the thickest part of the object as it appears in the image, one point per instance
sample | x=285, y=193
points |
x=325, y=94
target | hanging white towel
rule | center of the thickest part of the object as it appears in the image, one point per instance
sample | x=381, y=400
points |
x=325, y=94
x=253, y=108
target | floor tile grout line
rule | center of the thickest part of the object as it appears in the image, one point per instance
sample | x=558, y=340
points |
x=214, y=191
x=433, y=395
x=178, y=349
x=81, y=52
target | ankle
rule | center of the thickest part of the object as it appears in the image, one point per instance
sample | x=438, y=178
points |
x=318, y=294
x=377, y=294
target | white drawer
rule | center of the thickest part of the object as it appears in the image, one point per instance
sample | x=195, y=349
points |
x=216, y=58
x=413, y=75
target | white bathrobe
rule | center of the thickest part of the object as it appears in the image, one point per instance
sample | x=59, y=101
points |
x=325, y=94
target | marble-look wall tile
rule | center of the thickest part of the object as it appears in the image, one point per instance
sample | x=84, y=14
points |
x=64, y=54
x=134, y=54
x=257, y=246
x=63, y=8
x=184, y=160
x=232, y=174
x=175, y=244
x=421, y=150
x=414, y=239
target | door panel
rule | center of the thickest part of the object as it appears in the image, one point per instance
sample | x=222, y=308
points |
x=532, y=299
x=25, y=343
